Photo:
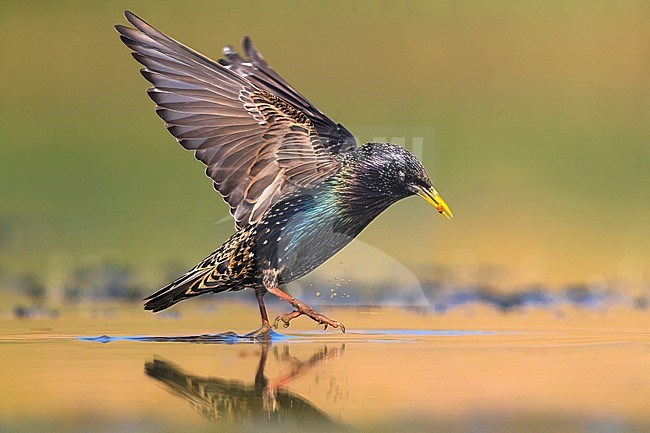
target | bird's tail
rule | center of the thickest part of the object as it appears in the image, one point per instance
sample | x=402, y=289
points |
x=202, y=279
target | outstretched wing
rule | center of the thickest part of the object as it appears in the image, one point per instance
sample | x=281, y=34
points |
x=256, y=145
x=334, y=136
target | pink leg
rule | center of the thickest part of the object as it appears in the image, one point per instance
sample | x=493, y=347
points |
x=270, y=284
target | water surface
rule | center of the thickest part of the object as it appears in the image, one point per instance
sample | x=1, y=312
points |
x=580, y=371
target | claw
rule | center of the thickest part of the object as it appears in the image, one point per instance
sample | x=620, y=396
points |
x=286, y=318
x=325, y=327
x=302, y=309
x=277, y=321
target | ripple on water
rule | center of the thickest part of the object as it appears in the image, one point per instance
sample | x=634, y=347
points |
x=369, y=335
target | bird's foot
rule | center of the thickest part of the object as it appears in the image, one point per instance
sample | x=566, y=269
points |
x=263, y=333
x=270, y=282
x=309, y=312
x=286, y=318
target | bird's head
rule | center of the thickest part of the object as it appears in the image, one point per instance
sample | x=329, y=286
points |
x=392, y=172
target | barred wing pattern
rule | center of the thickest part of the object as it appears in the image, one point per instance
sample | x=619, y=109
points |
x=254, y=68
x=255, y=144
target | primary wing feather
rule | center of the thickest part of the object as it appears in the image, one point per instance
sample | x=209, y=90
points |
x=256, y=145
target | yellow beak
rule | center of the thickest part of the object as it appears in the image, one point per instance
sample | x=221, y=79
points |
x=432, y=196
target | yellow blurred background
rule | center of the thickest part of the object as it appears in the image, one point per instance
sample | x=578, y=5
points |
x=532, y=117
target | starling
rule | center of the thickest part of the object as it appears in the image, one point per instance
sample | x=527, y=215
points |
x=298, y=185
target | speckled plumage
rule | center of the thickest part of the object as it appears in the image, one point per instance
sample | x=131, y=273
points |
x=298, y=186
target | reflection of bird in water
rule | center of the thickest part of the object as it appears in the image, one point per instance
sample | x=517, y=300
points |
x=298, y=186
x=232, y=402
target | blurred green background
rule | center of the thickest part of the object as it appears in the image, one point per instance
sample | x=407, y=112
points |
x=534, y=119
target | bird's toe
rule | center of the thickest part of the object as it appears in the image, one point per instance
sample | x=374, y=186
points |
x=286, y=318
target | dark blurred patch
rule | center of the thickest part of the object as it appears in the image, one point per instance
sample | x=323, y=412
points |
x=32, y=312
x=581, y=296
